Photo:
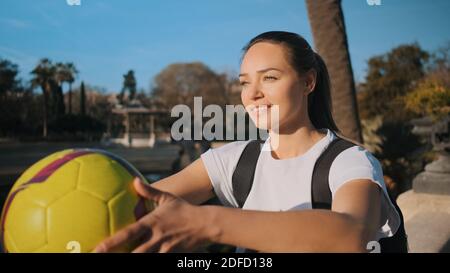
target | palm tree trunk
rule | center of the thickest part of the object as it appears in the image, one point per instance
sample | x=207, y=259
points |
x=330, y=40
x=70, y=98
x=82, y=100
x=60, y=107
x=45, y=111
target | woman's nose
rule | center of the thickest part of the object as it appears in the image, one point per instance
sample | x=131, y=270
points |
x=255, y=92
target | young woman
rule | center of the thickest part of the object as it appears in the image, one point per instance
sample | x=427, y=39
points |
x=278, y=68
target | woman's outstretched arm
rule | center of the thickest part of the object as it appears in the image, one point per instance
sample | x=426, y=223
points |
x=348, y=227
x=179, y=225
x=191, y=184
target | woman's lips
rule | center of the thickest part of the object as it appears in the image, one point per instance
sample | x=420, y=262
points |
x=260, y=109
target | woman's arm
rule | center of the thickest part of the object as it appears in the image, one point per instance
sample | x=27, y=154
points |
x=191, y=184
x=176, y=225
x=351, y=224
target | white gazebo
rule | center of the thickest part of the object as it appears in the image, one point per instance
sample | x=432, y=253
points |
x=133, y=125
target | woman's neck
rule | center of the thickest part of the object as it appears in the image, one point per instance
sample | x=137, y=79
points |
x=296, y=142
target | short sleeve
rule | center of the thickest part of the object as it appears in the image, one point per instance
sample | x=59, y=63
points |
x=358, y=163
x=220, y=164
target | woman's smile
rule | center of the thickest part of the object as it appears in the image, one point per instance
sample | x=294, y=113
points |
x=260, y=109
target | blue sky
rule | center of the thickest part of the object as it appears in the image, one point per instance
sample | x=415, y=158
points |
x=106, y=38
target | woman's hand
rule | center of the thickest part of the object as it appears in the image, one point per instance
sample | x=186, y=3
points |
x=173, y=226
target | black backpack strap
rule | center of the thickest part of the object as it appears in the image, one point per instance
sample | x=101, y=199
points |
x=320, y=189
x=321, y=197
x=244, y=173
x=321, y=194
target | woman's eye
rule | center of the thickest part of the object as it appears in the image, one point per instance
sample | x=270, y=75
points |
x=243, y=83
x=270, y=78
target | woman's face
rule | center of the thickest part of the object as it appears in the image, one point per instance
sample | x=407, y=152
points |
x=271, y=85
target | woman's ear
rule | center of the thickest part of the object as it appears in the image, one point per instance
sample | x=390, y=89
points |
x=310, y=81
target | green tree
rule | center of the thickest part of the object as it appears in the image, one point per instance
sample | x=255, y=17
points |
x=8, y=74
x=50, y=77
x=72, y=73
x=432, y=96
x=67, y=72
x=57, y=91
x=180, y=82
x=82, y=100
x=390, y=77
x=43, y=75
x=12, y=99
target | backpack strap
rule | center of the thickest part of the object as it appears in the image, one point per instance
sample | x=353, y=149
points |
x=320, y=190
x=321, y=197
x=244, y=173
x=321, y=194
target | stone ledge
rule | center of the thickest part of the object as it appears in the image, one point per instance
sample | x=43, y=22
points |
x=427, y=221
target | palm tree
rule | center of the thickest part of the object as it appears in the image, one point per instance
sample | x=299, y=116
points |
x=43, y=75
x=82, y=100
x=330, y=40
x=57, y=90
x=66, y=72
x=72, y=73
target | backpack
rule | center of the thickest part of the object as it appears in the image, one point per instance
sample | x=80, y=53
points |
x=321, y=198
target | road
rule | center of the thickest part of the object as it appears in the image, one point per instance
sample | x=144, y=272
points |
x=16, y=157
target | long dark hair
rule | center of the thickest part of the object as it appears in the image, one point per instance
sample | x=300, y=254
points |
x=303, y=58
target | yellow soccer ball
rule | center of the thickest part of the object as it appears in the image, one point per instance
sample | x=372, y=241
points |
x=70, y=201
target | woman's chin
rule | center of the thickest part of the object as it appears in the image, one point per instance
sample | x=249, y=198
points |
x=262, y=124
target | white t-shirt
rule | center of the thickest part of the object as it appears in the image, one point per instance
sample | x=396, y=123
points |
x=281, y=185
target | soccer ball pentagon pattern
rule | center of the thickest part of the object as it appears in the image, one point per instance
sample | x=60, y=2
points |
x=73, y=196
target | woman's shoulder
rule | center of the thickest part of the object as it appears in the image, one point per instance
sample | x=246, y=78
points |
x=230, y=147
x=355, y=163
x=228, y=154
x=356, y=156
x=220, y=163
